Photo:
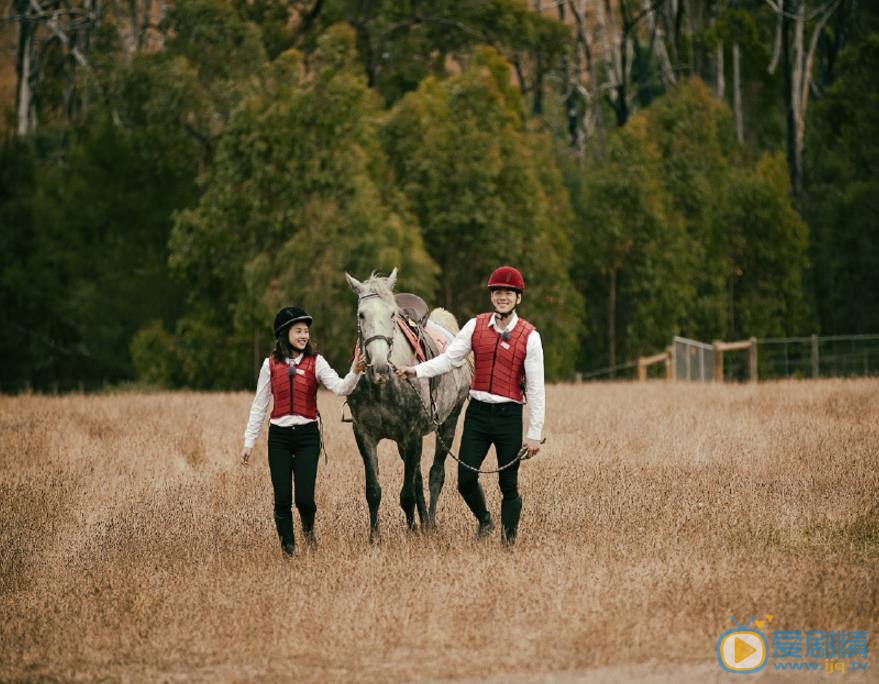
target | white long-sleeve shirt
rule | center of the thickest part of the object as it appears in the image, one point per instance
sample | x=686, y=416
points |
x=260, y=406
x=456, y=353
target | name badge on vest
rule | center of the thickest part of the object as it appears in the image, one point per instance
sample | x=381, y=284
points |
x=505, y=345
x=299, y=371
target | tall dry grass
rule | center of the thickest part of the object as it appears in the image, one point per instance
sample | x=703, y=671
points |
x=133, y=545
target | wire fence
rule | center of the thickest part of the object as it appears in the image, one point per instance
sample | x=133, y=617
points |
x=818, y=357
x=814, y=356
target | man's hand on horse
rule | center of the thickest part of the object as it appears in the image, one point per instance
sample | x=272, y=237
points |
x=531, y=447
x=406, y=372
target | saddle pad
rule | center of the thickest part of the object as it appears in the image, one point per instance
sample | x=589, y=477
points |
x=412, y=338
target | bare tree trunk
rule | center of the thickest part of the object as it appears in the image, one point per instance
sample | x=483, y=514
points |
x=655, y=27
x=776, y=50
x=603, y=34
x=807, y=69
x=611, y=319
x=160, y=35
x=132, y=42
x=790, y=112
x=537, y=102
x=25, y=114
x=720, y=78
x=798, y=64
x=145, y=24
x=737, y=94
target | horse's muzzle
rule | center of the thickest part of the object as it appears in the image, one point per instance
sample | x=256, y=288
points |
x=379, y=373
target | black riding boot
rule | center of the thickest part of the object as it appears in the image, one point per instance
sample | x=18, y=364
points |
x=510, y=511
x=475, y=500
x=308, y=529
x=285, y=532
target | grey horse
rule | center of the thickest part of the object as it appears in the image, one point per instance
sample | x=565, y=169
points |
x=383, y=406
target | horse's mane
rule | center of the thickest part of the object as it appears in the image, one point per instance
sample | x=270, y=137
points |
x=378, y=285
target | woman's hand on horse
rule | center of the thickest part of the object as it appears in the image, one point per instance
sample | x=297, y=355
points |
x=245, y=455
x=406, y=372
x=359, y=362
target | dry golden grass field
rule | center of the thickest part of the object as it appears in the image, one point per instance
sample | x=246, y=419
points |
x=134, y=547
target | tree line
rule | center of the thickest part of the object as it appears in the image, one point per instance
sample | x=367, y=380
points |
x=171, y=175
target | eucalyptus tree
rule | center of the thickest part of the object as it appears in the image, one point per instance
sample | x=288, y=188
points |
x=486, y=190
x=298, y=192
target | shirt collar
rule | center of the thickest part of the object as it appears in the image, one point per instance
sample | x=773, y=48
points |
x=513, y=320
x=294, y=360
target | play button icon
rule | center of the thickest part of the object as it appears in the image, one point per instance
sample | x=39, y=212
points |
x=742, y=650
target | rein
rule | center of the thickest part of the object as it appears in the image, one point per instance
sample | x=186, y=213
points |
x=431, y=413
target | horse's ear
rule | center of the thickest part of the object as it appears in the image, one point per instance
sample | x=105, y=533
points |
x=355, y=284
x=392, y=279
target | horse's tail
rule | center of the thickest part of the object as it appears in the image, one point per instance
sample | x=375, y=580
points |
x=447, y=320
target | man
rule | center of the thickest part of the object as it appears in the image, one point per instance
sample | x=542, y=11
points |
x=508, y=356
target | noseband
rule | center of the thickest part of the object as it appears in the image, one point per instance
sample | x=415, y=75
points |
x=365, y=343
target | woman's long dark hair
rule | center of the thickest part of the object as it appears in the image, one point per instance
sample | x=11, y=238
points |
x=283, y=350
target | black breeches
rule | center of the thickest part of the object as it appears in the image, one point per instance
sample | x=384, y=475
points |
x=293, y=457
x=484, y=425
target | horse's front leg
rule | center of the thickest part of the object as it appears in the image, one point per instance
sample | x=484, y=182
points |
x=410, y=452
x=367, y=447
x=444, y=438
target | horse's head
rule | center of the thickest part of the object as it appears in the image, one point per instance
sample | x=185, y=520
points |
x=376, y=322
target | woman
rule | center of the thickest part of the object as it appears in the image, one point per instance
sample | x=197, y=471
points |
x=290, y=376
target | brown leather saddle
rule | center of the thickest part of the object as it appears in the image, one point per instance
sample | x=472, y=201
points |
x=412, y=307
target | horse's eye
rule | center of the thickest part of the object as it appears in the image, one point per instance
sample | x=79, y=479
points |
x=360, y=315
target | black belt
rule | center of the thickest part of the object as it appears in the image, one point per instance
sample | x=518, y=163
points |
x=312, y=425
x=502, y=407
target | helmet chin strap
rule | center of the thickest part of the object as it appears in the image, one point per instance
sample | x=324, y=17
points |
x=504, y=316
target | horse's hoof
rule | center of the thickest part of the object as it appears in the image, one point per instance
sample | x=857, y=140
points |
x=374, y=537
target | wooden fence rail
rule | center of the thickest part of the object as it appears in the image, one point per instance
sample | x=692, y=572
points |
x=718, y=347
x=721, y=347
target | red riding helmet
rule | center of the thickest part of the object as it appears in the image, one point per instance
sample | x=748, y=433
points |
x=507, y=278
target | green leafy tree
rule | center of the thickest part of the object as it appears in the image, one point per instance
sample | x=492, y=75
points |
x=486, y=190
x=298, y=193
x=402, y=43
x=631, y=249
x=695, y=138
x=768, y=253
x=842, y=188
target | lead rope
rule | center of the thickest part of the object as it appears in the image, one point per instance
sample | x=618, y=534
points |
x=320, y=432
x=520, y=456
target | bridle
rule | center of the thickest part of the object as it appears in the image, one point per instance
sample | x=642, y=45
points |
x=364, y=344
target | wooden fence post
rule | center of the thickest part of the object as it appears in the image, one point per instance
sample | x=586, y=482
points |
x=753, y=359
x=815, y=360
x=670, y=363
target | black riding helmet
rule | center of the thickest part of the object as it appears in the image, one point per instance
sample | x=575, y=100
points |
x=287, y=317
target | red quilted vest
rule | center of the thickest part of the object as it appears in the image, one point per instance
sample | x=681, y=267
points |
x=302, y=385
x=500, y=364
